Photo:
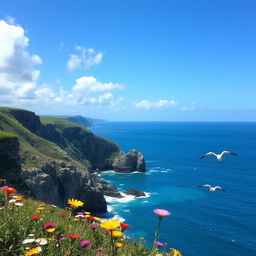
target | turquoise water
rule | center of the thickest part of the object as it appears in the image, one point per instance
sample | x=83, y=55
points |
x=202, y=223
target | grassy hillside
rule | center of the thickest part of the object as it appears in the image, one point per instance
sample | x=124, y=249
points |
x=6, y=135
x=51, y=138
x=30, y=144
x=29, y=227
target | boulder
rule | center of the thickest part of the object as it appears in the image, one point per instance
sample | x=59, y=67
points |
x=131, y=162
x=135, y=192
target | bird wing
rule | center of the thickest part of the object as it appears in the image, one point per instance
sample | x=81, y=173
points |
x=229, y=152
x=206, y=185
x=208, y=154
x=218, y=187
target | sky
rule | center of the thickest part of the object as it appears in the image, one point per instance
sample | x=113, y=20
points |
x=136, y=60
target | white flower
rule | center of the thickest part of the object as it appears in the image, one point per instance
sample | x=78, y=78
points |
x=28, y=241
x=19, y=204
x=12, y=201
x=54, y=205
x=41, y=241
x=79, y=216
x=31, y=235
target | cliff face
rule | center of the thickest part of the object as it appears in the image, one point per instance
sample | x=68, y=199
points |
x=10, y=161
x=47, y=186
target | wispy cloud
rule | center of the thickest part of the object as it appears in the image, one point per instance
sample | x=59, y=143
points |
x=146, y=104
x=85, y=58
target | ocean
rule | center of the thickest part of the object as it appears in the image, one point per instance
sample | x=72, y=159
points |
x=201, y=223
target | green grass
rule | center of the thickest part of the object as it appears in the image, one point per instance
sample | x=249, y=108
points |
x=30, y=144
x=16, y=225
x=6, y=135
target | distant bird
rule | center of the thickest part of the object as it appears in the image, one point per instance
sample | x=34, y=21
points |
x=212, y=189
x=218, y=156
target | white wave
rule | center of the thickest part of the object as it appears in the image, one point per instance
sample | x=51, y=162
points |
x=164, y=171
x=145, y=201
x=124, y=199
x=147, y=195
x=121, y=184
x=127, y=210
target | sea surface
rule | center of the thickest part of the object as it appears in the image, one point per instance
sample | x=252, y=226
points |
x=201, y=223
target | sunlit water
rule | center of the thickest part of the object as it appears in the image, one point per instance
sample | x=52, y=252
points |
x=202, y=223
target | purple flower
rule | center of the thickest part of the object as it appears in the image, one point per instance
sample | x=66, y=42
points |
x=85, y=242
x=159, y=244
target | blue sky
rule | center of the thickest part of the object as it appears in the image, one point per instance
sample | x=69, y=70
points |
x=130, y=60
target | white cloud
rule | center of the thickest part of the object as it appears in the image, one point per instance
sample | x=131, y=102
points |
x=18, y=75
x=84, y=59
x=146, y=104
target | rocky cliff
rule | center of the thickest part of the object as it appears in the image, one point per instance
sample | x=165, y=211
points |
x=53, y=159
x=130, y=162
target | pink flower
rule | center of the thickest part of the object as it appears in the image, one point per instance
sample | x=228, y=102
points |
x=49, y=224
x=161, y=213
x=159, y=244
x=94, y=226
x=85, y=242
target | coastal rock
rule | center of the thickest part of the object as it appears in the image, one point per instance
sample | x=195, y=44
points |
x=131, y=162
x=110, y=190
x=46, y=185
x=135, y=192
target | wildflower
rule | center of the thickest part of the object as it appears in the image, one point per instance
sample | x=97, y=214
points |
x=161, y=213
x=94, y=226
x=10, y=196
x=87, y=213
x=31, y=235
x=41, y=241
x=33, y=251
x=175, y=252
x=40, y=208
x=50, y=230
x=12, y=201
x=159, y=244
x=35, y=217
x=28, y=241
x=110, y=224
x=67, y=253
x=9, y=190
x=118, y=245
x=62, y=215
x=75, y=203
x=50, y=225
x=73, y=236
x=97, y=218
x=116, y=233
x=85, y=242
x=19, y=199
x=19, y=204
x=124, y=226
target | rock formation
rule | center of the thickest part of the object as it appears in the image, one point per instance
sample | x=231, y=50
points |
x=130, y=162
x=135, y=192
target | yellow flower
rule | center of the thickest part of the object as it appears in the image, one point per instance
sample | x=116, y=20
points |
x=97, y=218
x=87, y=213
x=50, y=230
x=159, y=254
x=110, y=224
x=116, y=233
x=118, y=245
x=75, y=203
x=175, y=252
x=33, y=251
x=40, y=208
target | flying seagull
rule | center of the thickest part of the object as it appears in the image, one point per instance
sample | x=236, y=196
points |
x=218, y=156
x=212, y=189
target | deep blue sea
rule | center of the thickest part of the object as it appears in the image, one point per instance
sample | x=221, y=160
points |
x=202, y=223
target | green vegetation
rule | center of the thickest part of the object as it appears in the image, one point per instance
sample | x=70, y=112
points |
x=30, y=144
x=6, y=135
x=29, y=227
